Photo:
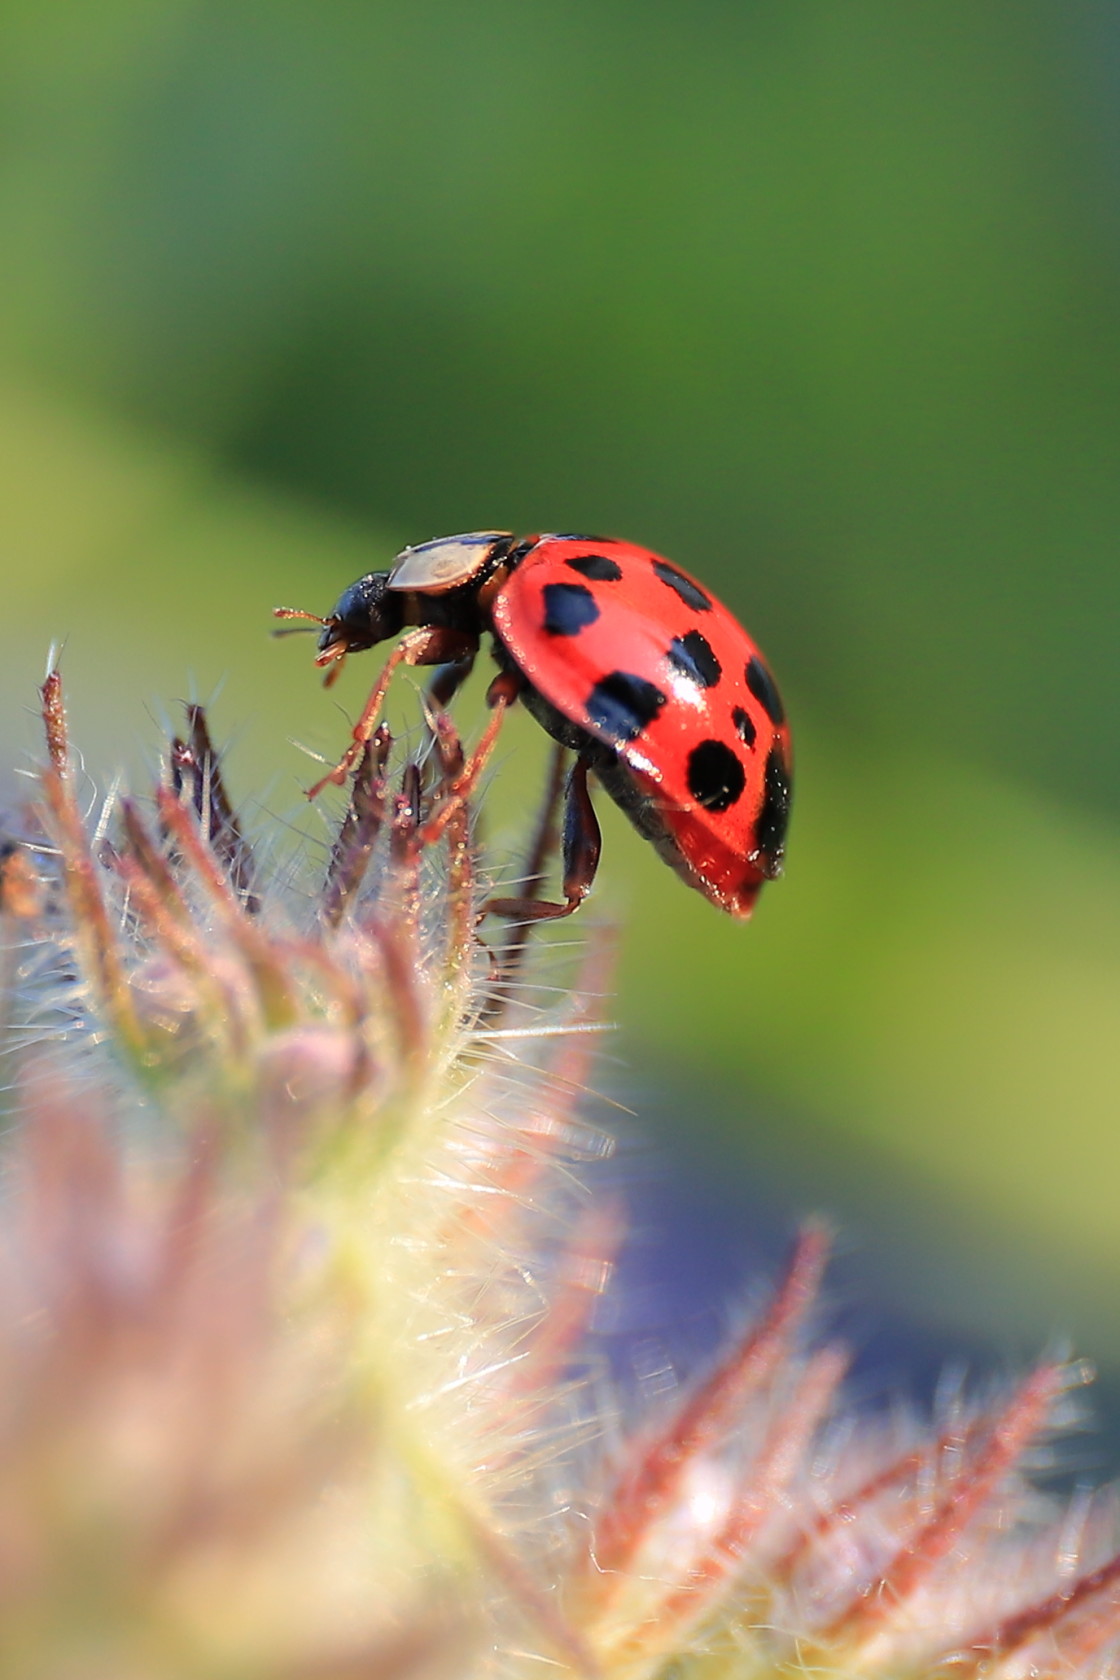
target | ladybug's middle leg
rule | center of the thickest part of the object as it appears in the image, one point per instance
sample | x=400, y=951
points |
x=440, y=692
x=500, y=696
x=582, y=844
x=430, y=645
x=449, y=679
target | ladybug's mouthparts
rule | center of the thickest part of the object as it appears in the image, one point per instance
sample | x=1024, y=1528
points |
x=334, y=645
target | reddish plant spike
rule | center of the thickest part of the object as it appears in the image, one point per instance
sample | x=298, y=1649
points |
x=1082, y=1641
x=152, y=862
x=541, y=1606
x=764, y=1483
x=780, y=1458
x=265, y=964
x=652, y=1480
x=406, y=844
x=893, y=1475
x=54, y=723
x=397, y=949
x=460, y=898
x=160, y=922
x=460, y=934
x=365, y=814
x=1003, y=1445
x=621, y=656
x=513, y=1172
x=94, y=932
x=585, y=1265
x=1056, y=1615
x=201, y=762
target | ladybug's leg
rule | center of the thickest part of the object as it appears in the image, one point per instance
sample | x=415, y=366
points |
x=442, y=689
x=546, y=839
x=500, y=696
x=431, y=645
x=449, y=679
x=583, y=843
x=583, y=839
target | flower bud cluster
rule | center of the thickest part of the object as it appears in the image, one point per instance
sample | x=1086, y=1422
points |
x=297, y=1294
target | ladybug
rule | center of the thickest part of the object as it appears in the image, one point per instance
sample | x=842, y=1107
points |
x=622, y=657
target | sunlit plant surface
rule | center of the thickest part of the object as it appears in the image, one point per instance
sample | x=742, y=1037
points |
x=296, y=1282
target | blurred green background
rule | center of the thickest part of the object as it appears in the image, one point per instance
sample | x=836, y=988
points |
x=818, y=299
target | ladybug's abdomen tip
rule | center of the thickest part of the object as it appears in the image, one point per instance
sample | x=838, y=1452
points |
x=741, y=901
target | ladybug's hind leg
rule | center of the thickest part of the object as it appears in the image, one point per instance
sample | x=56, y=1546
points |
x=582, y=844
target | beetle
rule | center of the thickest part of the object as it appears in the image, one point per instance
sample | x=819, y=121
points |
x=621, y=656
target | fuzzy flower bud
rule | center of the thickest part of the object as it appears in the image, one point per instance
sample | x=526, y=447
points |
x=296, y=1276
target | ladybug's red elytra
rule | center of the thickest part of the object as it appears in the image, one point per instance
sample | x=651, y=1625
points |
x=621, y=656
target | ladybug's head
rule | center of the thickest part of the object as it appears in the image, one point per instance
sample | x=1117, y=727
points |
x=365, y=614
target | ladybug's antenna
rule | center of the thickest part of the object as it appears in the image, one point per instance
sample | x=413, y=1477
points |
x=333, y=655
x=297, y=612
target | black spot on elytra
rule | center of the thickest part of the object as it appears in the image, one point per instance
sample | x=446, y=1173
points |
x=744, y=726
x=622, y=705
x=693, y=657
x=765, y=690
x=690, y=593
x=598, y=567
x=568, y=608
x=773, y=816
x=716, y=778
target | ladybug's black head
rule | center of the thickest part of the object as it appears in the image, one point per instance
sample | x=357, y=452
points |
x=365, y=614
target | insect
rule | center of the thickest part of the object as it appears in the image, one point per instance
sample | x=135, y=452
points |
x=622, y=657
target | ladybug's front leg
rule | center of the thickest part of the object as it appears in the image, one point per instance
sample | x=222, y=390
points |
x=582, y=845
x=430, y=645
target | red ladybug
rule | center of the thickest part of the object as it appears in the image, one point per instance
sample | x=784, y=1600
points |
x=622, y=657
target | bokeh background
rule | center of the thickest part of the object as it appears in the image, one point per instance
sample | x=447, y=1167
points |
x=819, y=300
